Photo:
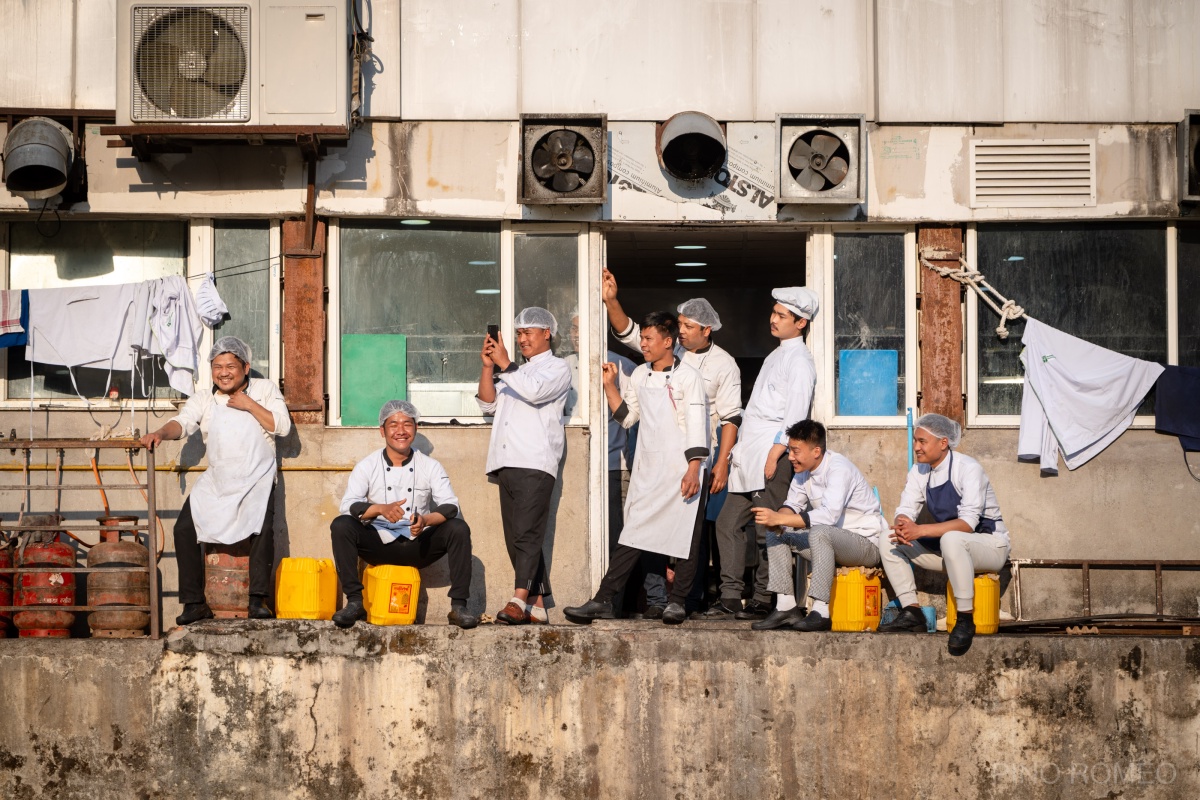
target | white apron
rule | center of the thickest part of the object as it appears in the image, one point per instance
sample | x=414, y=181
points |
x=750, y=457
x=230, y=499
x=657, y=518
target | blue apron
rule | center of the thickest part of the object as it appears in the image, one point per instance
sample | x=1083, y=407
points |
x=942, y=503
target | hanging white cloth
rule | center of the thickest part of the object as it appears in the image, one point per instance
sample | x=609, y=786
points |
x=82, y=326
x=1078, y=397
x=208, y=301
x=230, y=499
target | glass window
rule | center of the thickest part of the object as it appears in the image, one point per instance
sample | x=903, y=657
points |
x=868, y=323
x=242, y=264
x=1103, y=283
x=1189, y=295
x=88, y=254
x=415, y=304
x=546, y=268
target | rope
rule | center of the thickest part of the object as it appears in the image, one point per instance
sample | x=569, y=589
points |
x=969, y=276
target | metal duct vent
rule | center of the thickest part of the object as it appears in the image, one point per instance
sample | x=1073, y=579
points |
x=563, y=159
x=1189, y=156
x=821, y=158
x=1033, y=173
x=191, y=63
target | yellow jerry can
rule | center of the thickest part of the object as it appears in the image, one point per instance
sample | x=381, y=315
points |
x=987, y=604
x=390, y=594
x=855, y=602
x=305, y=588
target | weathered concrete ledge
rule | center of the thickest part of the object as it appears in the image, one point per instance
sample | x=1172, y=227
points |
x=300, y=709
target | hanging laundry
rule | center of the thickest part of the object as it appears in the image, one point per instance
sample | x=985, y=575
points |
x=212, y=308
x=1177, y=405
x=1078, y=397
x=82, y=326
x=14, y=317
x=171, y=328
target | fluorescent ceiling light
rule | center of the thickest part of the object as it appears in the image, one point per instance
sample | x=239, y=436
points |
x=690, y=247
x=414, y=222
x=481, y=263
x=487, y=291
x=1015, y=258
x=690, y=280
x=691, y=263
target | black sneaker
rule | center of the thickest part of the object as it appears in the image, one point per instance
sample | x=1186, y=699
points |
x=259, y=609
x=458, y=616
x=961, y=636
x=814, y=622
x=723, y=609
x=674, y=614
x=194, y=612
x=779, y=619
x=910, y=620
x=592, y=609
x=753, y=610
x=350, y=614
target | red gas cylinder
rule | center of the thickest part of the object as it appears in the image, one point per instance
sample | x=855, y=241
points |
x=5, y=590
x=45, y=590
x=227, y=579
x=112, y=589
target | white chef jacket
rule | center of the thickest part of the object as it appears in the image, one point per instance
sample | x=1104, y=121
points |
x=83, y=326
x=687, y=396
x=527, y=429
x=977, y=499
x=421, y=480
x=618, y=437
x=196, y=413
x=1077, y=396
x=837, y=494
x=722, y=376
x=782, y=397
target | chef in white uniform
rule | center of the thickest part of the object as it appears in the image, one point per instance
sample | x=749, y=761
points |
x=399, y=508
x=759, y=471
x=664, y=512
x=234, y=498
x=524, y=452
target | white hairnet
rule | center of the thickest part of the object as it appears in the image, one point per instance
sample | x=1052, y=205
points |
x=701, y=312
x=536, y=317
x=941, y=427
x=800, y=300
x=398, y=407
x=230, y=344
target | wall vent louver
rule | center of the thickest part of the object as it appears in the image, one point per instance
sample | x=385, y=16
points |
x=1033, y=173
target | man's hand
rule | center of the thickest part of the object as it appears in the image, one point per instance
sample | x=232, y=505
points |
x=242, y=402
x=720, y=476
x=905, y=531
x=777, y=451
x=608, y=287
x=768, y=518
x=418, y=524
x=392, y=512
x=152, y=440
x=494, y=352
x=689, y=487
x=609, y=373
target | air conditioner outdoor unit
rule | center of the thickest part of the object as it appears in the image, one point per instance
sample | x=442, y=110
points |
x=822, y=159
x=564, y=159
x=255, y=63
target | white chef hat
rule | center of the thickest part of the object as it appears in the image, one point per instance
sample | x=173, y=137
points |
x=800, y=300
x=701, y=312
x=941, y=427
x=536, y=317
x=398, y=407
x=209, y=303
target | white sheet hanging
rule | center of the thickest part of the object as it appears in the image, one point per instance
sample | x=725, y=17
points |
x=1078, y=397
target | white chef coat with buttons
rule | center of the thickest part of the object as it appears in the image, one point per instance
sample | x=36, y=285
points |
x=837, y=494
x=687, y=399
x=527, y=429
x=977, y=499
x=422, y=483
x=618, y=437
x=196, y=413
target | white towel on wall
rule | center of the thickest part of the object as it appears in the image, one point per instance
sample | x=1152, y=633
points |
x=1078, y=397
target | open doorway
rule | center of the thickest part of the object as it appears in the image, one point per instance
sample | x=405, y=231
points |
x=734, y=267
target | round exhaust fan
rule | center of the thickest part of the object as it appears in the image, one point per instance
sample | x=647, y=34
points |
x=819, y=160
x=190, y=63
x=563, y=161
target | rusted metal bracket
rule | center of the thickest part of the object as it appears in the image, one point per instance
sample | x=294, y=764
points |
x=311, y=247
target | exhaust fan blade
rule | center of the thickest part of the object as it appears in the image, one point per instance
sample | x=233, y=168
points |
x=825, y=144
x=226, y=64
x=542, y=163
x=835, y=171
x=800, y=154
x=560, y=143
x=190, y=31
x=811, y=180
x=565, y=182
x=584, y=160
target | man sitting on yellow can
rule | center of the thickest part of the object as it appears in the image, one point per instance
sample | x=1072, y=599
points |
x=831, y=517
x=399, y=508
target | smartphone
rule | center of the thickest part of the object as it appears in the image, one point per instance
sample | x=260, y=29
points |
x=493, y=332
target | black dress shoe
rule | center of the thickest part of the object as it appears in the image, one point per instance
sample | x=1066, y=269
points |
x=259, y=609
x=753, y=610
x=723, y=609
x=674, y=614
x=350, y=614
x=961, y=636
x=779, y=619
x=194, y=612
x=813, y=622
x=653, y=612
x=909, y=620
x=592, y=609
x=458, y=616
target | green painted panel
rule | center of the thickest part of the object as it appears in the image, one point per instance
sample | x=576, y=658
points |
x=374, y=370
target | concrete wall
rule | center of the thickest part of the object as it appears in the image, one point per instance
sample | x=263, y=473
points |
x=280, y=710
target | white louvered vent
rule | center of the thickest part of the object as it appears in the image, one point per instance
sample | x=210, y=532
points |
x=1033, y=173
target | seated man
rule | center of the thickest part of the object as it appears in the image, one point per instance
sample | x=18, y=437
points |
x=831, y=516
x=399, y=509
x=966, y=536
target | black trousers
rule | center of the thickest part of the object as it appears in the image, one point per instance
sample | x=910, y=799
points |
x=353, y=539
x=731, y=539
x=191, y=561
x=524, y=512
x=625, y=560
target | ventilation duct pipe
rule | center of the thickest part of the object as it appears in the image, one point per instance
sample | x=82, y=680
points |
x=691, y=146
x=37, y=158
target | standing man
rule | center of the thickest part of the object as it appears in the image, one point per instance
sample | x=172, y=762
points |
x=399, y=508
x=234, y=499
x=698, y=320
x=831, y=516
x=760, y=472
x=527, y=444
x=665, y=510
x=967, y=534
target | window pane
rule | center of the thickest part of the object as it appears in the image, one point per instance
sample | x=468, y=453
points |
x=436, y=285
x=546, y=270
x=241, y=256
x=88, y=254
x=1189, y=296
x=1106, y=284
x=868, y=323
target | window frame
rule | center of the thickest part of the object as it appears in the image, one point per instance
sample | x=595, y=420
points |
x=971, y=329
